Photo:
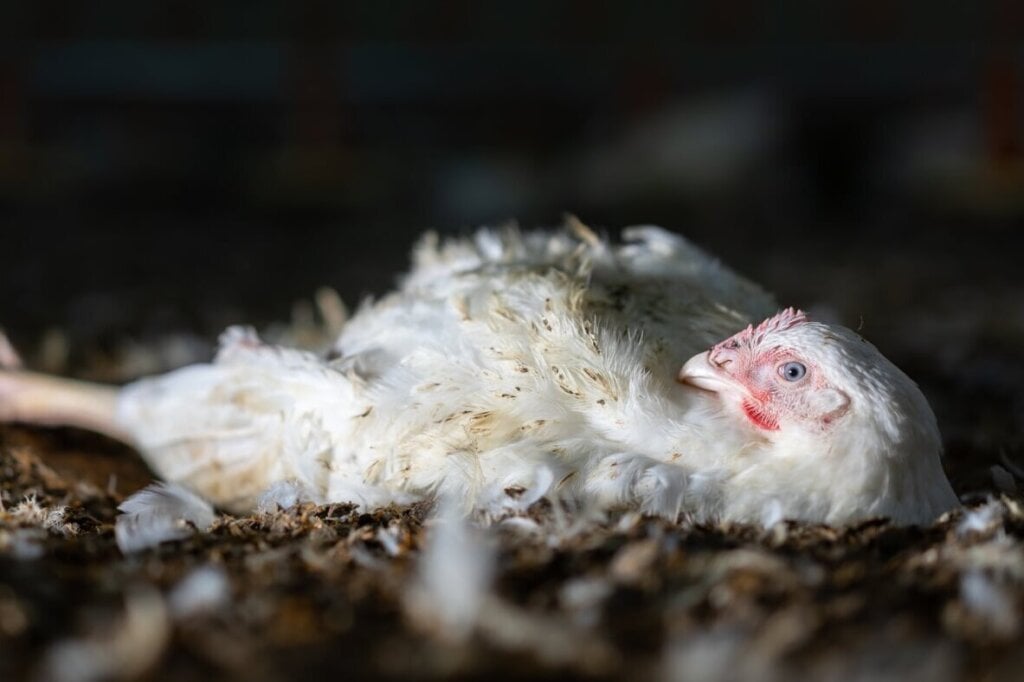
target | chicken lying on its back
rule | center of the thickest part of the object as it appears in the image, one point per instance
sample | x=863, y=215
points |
x=513, y=366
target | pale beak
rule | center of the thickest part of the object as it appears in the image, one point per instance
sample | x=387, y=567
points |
x=700, y=373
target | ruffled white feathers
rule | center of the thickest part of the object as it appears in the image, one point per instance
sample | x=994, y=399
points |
x=514, y=366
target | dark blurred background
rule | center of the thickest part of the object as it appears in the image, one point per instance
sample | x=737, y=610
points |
x=176, y=165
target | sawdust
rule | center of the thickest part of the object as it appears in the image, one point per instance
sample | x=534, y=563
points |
x=316, y=590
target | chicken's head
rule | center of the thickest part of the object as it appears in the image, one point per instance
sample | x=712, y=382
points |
x=845, y=433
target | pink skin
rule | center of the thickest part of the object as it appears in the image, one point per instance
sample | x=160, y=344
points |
x=748, y=371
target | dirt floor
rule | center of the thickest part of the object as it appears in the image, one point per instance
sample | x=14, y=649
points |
x=326, y=590
x=316, y=591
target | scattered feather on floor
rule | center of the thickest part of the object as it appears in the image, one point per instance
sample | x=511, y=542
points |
x=22, y=544
x=715, y=657
x=981, y=520
x=203, y=590
x=29, y=512
x=989, y=601
x=454, y=601
x=131, y=647
x=455, y=573
x=160, y=513
x=283, y=495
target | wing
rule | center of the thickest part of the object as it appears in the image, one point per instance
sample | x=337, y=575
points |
x=495, y=351
x=503, y=349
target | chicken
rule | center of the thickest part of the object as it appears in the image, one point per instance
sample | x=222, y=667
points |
x=511, y=367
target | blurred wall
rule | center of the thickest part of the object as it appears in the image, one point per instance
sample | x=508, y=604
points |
x=180, y=163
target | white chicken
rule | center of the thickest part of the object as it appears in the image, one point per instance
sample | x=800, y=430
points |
x=510, y=367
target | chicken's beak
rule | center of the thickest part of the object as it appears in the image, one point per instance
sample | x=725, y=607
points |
x=700, y=373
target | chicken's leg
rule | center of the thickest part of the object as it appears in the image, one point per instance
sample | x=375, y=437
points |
x=51, y=401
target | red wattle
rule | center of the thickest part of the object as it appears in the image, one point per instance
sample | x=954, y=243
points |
x=759, y=417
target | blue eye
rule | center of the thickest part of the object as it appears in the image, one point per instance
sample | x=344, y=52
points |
x=792, y=371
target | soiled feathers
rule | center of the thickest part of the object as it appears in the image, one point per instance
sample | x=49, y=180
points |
x=512, y=366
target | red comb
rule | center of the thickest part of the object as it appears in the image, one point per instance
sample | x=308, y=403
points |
x=781, y=321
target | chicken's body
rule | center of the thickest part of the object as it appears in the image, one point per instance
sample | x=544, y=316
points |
x=506, y=368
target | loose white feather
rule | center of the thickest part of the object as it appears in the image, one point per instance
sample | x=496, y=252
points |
x=981, y=520
x=284, y=495
x=127, y=651
x=203, y=590
x=455, y=573
x=990, y=601
x=160, y=513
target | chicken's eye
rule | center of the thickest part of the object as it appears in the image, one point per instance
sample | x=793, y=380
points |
x=793, y=371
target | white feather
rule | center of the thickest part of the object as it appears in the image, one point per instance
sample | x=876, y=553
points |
x=30, y=512
x=284, y=495
x=160, y=513
x=772, y=514
x=981, y=520
x=203, y=590
x=127, y=651
x=389, y=540
x=23, y=544
x=989, y=601
x=455, y=573
x=716, y=656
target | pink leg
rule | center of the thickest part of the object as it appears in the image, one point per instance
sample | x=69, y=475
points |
x=51, y=401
